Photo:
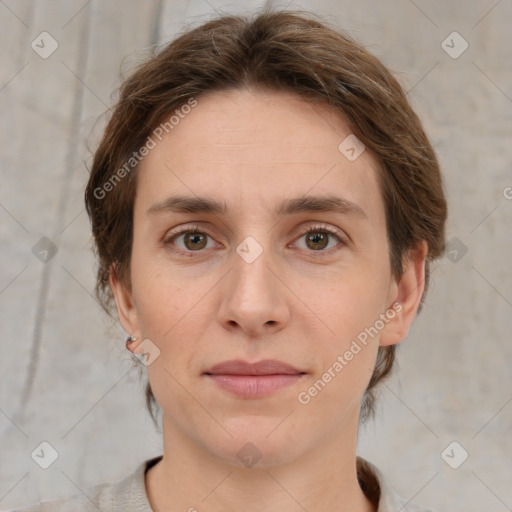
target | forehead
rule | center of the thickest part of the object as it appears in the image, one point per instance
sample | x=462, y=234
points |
x=253, y=148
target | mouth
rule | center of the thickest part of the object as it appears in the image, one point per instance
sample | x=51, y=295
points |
x=253, y=380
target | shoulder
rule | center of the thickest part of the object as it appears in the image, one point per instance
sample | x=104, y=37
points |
x=99, y=497
x=126, y=495
x=378, y=490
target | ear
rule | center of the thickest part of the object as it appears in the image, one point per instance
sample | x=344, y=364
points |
x=126, y=310
x=405, y=297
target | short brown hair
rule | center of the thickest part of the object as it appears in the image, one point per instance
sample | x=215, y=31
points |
x=273, y=50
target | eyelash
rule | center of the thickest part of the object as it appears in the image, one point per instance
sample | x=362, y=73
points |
x=318, y=228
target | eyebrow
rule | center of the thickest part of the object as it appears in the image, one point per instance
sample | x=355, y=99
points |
x=305, y=204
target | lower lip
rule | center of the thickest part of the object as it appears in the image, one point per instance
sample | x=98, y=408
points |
x=254, y=386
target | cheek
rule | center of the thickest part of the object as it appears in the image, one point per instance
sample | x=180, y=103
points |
x=160, y=298
x=347, y=350
x=172, y=315
x=347, y=302
x=345, y=359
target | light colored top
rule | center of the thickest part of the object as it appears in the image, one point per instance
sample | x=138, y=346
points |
x=129, y=494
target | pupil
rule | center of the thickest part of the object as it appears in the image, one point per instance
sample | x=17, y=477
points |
x=318, y=238
x=195, y=238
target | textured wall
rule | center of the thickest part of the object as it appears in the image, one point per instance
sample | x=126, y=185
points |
x=65, y=377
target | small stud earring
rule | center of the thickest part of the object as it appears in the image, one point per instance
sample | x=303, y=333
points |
x=130, y=339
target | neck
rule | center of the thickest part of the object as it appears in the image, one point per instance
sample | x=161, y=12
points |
x=190, y=478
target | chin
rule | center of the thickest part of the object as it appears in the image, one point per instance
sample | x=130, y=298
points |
x=257, y=444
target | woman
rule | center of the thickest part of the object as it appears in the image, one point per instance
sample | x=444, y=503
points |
x=265, y=207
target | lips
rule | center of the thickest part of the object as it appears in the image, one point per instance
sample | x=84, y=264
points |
x=266, y=367
x=253, y=380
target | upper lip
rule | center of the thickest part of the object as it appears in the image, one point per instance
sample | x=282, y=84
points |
x=265, y=367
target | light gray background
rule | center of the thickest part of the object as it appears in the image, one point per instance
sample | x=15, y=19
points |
x=65, y=376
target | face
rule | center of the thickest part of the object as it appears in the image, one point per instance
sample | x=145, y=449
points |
x=247, y=266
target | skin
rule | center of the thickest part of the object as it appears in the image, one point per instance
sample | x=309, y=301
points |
x=252, y=149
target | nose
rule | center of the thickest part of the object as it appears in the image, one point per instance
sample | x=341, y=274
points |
x=254, y=299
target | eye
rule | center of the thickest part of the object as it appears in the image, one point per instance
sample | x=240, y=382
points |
x=318, y=238
x=189, y=239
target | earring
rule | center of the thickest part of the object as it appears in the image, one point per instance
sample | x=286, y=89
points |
x=130, y=339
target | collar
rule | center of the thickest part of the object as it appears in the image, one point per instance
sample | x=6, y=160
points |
x=130, y=493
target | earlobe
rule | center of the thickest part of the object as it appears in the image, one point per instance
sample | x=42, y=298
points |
x=407, y=293
x=126, y=309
